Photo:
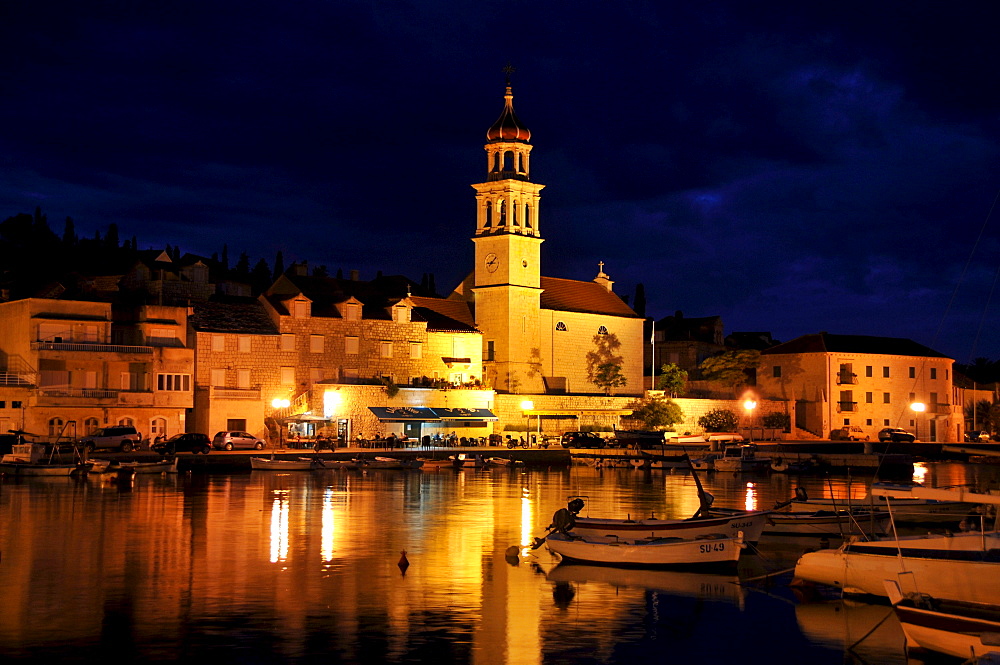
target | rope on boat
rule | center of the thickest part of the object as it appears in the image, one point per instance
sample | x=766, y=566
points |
x=767, y=575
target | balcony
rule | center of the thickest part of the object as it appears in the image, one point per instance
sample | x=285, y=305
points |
x=217, y=392
x=940, y=409
x=86, y=346
x=65, y=396
x=847, y=407
x=844, y=378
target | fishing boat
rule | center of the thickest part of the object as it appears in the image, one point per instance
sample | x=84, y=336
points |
x=159, y=466
x=741, y=457
x=28, y=459
x=825, y=523
x=389, y=463
x=749, y=523
x=442, y=463
x=711, y=550
x=956, y=628
x=784, y=465
x=274, y=464
x=900, y=500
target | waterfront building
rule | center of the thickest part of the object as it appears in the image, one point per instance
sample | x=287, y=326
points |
x=71, y=366
x=829, y=381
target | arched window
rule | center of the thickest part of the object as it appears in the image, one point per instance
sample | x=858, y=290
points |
x=508, y=161
x=496, y=162
x=90, y=425
x=489, y=215
x=55, y=427
x=157, y=428
x=514, y=210
x=521, y=163
x=602, y=331
x=503, y=213
x=126, y=422
x=527, y=216
x=560, y=326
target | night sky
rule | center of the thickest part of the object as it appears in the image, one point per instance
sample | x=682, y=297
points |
x=791, y=167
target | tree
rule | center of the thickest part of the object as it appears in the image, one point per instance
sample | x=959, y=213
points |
x=978, y=413
x=777, y=421
x=69, y=233
x=609, y=376
x=657, y=412
x=279, y=266
x=731, y=368
x=639, y=301
x=718, y=420
x=672, y=380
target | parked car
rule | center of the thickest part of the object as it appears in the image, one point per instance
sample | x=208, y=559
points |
x=192, y=442
x=582, y=440
x=118, y=437
x=977, y=436
x=896, y=435
x=230, y=440
x=849, y=433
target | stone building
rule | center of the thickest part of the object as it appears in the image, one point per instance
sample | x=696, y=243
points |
x=73, y=366
x=828, y=381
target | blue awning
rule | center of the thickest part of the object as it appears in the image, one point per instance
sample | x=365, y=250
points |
x=464, y=414
x=404, y=414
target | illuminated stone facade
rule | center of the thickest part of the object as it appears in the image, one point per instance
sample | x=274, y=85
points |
x=828, y=381
x=74, y=366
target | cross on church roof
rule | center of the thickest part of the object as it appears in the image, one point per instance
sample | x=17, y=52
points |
x=508, y=70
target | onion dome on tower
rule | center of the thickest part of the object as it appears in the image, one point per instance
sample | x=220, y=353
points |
x=508, y=127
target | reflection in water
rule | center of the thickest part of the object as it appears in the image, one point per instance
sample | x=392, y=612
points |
x=183, y=567
x=919, y=472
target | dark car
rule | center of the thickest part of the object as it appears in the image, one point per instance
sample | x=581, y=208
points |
x=192, y=442
x=896, y=435
x=582, y=440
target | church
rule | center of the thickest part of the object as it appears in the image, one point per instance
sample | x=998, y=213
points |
x=541, y=335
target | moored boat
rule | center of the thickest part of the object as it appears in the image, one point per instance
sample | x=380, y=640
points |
x=274, y=464
x=712, y=550
x=160, y=466
x=707, y=585
x=389, y=463
x=28, y=459
x=741, y=457
x=826, y=524
x=904, y=506
x=749, y=523
x=956, y=628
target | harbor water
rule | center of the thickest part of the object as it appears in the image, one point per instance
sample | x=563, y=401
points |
x=303, y=567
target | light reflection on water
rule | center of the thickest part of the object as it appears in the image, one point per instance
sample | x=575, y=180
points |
x=273, y=567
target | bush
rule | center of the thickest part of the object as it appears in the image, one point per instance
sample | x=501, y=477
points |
x=777, y=421
x=718, y=420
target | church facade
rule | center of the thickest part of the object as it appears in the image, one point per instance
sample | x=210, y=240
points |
x=540, y=334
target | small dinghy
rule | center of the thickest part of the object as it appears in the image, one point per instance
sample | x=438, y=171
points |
x=160, y=466
x=711, y=550
x=272, y=464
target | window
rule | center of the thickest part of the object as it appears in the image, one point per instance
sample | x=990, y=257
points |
x=560, y=326
x=162, y=336
x=385, y=349
x=287, y=376
x=287, y=342
x=236, y=424
x=55, y=427
x=350, y=373
x=315, y=374
x=242, y=378
x=868, y=371
x=913, y=397
x=90, y=425
x=300, y=309
x=602, y=330
x=89, y=333
x=173, y=382
x=868, y=422
x=351, y=345
x=157, y=428
x=416, y=350
x=218, y=343
x=885, y=422
x=126, y=422
x=885, y=372
x=934, y=398
x=885, y=398
x=15, y=404
x=315, y=344
x=933, y=372
x=847, y=421
x=3, y=404
x=869, y=398
x=89, y=379
x=401, y=314
x=244, y=343
x=776, y=371
x=913, y=372
x=946, y=375
x=352, y=312
x=490, y=350
x=218, y=377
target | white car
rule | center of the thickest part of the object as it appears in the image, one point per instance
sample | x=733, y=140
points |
x=231, y=440
x=119, y=437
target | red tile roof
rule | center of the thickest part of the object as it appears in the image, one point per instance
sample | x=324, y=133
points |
x=570, y=295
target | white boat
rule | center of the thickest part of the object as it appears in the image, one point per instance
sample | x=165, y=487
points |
x=28, y=459
x=706, y=463
x=741, y=457
x=500, y=461
x=905, y=507
x=318, y=463
x=963, y=566
x=160, y=466
x=956, y=628
x=273, y=464
x=750, y=524
x=713, y=550
x=98, y=466
x=441, y=463
x=827, y=524
x=389, y=463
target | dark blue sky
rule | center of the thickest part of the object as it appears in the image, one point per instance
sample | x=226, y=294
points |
x=792, y=167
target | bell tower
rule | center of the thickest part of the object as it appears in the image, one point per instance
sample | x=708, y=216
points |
x=508, y=250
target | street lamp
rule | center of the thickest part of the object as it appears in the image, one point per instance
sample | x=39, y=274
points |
x=750, y=405
x=280, y=403
x=917, y=408
x=528, y=405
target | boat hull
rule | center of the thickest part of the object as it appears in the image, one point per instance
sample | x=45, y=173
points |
x=950, y=634
x=904, y=511
x=963, y=567
x=264, y=464
x=751, y=524
x=165, y=466
x=709, y=551
x=30, y=469
x=819, y=525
